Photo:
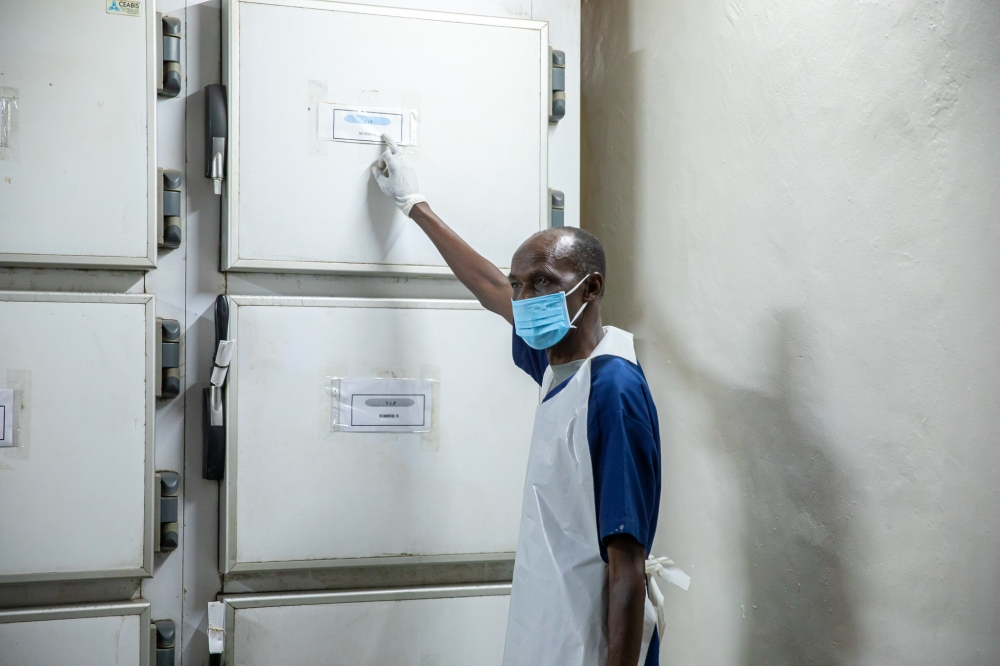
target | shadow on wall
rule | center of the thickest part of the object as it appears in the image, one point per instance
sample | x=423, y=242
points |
x=609, y=144
x=795, y=509
x=795, y=497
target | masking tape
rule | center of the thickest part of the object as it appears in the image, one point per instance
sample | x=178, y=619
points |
x=20, y=381
x=316, y=94
x=10, y=125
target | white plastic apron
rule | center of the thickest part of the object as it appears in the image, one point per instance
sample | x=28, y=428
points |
x=559, y=599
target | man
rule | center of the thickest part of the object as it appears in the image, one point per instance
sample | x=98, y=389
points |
x=592, y=491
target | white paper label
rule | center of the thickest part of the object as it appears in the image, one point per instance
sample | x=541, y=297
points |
x=383, y=405
x=340, y=122
x=124, y=7
x=6, y=417
x=216, y=627
x=367, y=126
x=219, y=376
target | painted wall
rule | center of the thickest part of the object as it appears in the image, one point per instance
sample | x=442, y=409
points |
x=801, y=202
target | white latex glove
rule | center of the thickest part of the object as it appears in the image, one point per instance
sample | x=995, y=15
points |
x=397, y=178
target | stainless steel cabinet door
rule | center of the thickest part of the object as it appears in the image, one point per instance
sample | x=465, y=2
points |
x=298, y=202
x=77, y=135
x=76, y=487
x=447, y=626
x=89, y=635
x=300, y=494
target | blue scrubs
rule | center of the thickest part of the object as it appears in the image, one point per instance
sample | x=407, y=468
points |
x=624, y=436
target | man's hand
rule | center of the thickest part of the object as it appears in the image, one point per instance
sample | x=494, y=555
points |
x=626, y=599
x=396, y=178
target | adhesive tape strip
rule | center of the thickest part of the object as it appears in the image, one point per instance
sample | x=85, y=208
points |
x=219, y=376
x=225, y=353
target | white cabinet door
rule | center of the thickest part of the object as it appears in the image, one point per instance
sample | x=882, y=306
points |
x=300, y=494
x=77, y=172
x=477, y=89
x=447, y=626
x=76, y=487
x=92, y=635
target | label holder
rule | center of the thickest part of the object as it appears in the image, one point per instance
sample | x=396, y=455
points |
x=381, y=405
x=6, y=418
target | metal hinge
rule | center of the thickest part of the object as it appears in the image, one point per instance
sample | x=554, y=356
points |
x=557, y=208
x=168, y=75
x=167, y=530
x=168, y=228
x=168, y=358
x=557, y=108
x=162, y=641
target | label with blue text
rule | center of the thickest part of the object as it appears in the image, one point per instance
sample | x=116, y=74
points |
x=342, y=122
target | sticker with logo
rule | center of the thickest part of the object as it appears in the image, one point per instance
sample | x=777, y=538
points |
x=125, y=7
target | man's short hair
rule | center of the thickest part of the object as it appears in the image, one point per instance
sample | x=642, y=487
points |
x=586, y=252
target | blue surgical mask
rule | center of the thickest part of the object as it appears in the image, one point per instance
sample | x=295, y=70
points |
x=543, y=321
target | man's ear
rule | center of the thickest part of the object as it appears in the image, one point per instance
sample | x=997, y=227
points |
x=593, y=287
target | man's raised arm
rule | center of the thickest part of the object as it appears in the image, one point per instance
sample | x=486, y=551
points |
x=398, y=181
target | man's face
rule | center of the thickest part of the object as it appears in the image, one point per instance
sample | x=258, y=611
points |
x=540, y=267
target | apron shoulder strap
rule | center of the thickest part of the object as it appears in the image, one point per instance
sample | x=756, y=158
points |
x=546, y=381
x=616, y=342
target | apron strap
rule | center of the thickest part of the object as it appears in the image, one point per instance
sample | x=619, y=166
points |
x=546, y=381
x=665, y=569
x=616, y=342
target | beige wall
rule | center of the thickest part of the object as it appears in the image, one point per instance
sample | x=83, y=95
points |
x=801, y=204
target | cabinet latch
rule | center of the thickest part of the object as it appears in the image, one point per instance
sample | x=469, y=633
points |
x=213, y=412
x=216, y=133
